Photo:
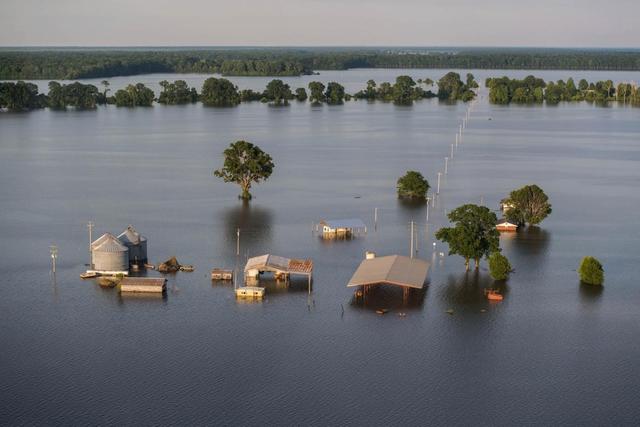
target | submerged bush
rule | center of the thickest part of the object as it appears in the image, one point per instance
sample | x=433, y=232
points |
x=499, y=266
x=591, y=271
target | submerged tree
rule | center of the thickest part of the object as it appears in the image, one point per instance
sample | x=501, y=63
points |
x=278, y=92
x=499, y=266
x=413, y=186
x=316, y=94
x=301, y=94
x=530, y=205
x=473, y=235
x=591, y=271
x=335, y=93
x=219, y=93
x=245, y=164
x=134, y=95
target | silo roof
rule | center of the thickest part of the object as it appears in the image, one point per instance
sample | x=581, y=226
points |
x=108, y=243
x=130, y=235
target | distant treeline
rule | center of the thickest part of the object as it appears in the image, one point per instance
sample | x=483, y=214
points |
x=535, y=90
x=221, y=92
x=78, y=64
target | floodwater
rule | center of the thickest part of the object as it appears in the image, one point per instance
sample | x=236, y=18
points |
x=553, y=352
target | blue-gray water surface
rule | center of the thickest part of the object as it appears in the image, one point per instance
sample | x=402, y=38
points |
x=553, y=352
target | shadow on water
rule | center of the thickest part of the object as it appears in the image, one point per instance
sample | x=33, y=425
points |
x=254, y=223
x=467, y=289
x=531, y=241
x=590, y=294
x=390, y=298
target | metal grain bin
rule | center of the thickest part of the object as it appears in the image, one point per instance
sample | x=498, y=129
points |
x=109, y=254
x=136, y=243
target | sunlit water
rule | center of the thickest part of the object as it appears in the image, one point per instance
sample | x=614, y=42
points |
x=553, y=352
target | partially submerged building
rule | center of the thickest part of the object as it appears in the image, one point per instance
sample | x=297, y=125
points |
x=136, y=243
x=282, y=268
x=395, y=270
x=505, y=225
x=109, y=256
x=342, y=227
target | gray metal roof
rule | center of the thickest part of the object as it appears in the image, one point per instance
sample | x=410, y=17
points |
x=393, y=270
x=353, y=223
x=270, y=262
x=131, y=236
x=108, y=243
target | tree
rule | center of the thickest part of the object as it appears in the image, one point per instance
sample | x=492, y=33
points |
x=316, y=90
x=451, y=87
x=591, y=271
x=177, y=92
x=301, y=94
x=105, y=85
x=413, y=186
x=219, y=93
x=244, y=164
x=137, y=95
x=499, y=266
x=530, y=205
x=403, y=90
x=278, y=92
x=473, y=235
x=335, y=93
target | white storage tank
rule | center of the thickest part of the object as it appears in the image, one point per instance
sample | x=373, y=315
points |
x=136, y=243
x=109, y=255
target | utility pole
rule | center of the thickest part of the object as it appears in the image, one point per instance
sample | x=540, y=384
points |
x=237, y=242
x=451, y=151
x=53, y=249
x=375, y=219
x=456, y=139
x=428, y=198
x=438, y=189
x=90, y=226
x=446, y=165
x=411, y=239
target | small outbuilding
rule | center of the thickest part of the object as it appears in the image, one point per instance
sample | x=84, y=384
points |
x=504, y=225
x=396, y=270
x=143, y=284
x=109, y=256
x=136, y=243
x=282, y=268
x=342, y=227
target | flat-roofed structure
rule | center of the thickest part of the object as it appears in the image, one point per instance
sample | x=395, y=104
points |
x=396, y=270
x=143, y=284
x=342, y=227
x=281, y=267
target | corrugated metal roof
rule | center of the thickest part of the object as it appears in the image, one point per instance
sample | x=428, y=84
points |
x=353, y=223
x=108, y=243
x=504, y=221
x=393, y=269
x=131, y=236
x=274, y=262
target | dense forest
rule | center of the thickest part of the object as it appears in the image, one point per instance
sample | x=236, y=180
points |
x=535, y=90
x=72, y=64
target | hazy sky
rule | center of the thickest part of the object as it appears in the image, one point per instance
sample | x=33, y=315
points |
x=548, y=23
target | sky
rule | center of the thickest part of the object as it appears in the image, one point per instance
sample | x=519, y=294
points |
x=543, y=23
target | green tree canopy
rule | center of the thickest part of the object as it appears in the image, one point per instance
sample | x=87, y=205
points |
x=451, y=87
x=137, y=95
x=245, y=164
x=473, y=235
x=219, y=93
x=499, y=266
x=530, y=205
x=412, y=186
x=301, y=94
x=278, y=92
x=591, y=271
x=177, y=92
x=335, y=93
x=316, y=94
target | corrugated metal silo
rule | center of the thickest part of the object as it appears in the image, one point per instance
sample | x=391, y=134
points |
x=109, y=254
x=136, y=243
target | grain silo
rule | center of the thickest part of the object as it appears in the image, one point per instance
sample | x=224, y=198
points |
x=109, y=255
x=136, y=243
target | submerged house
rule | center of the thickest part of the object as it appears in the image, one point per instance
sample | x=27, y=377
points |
x=395, y=270
x=342, y=227
x=504, y=225
x=109, y=256
x=136, y=243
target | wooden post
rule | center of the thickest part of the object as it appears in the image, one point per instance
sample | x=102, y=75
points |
x=375, y=219
x=309, y=284
x=411, y=239
x=237, y=242
x=446, y=165
x=438, y=189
